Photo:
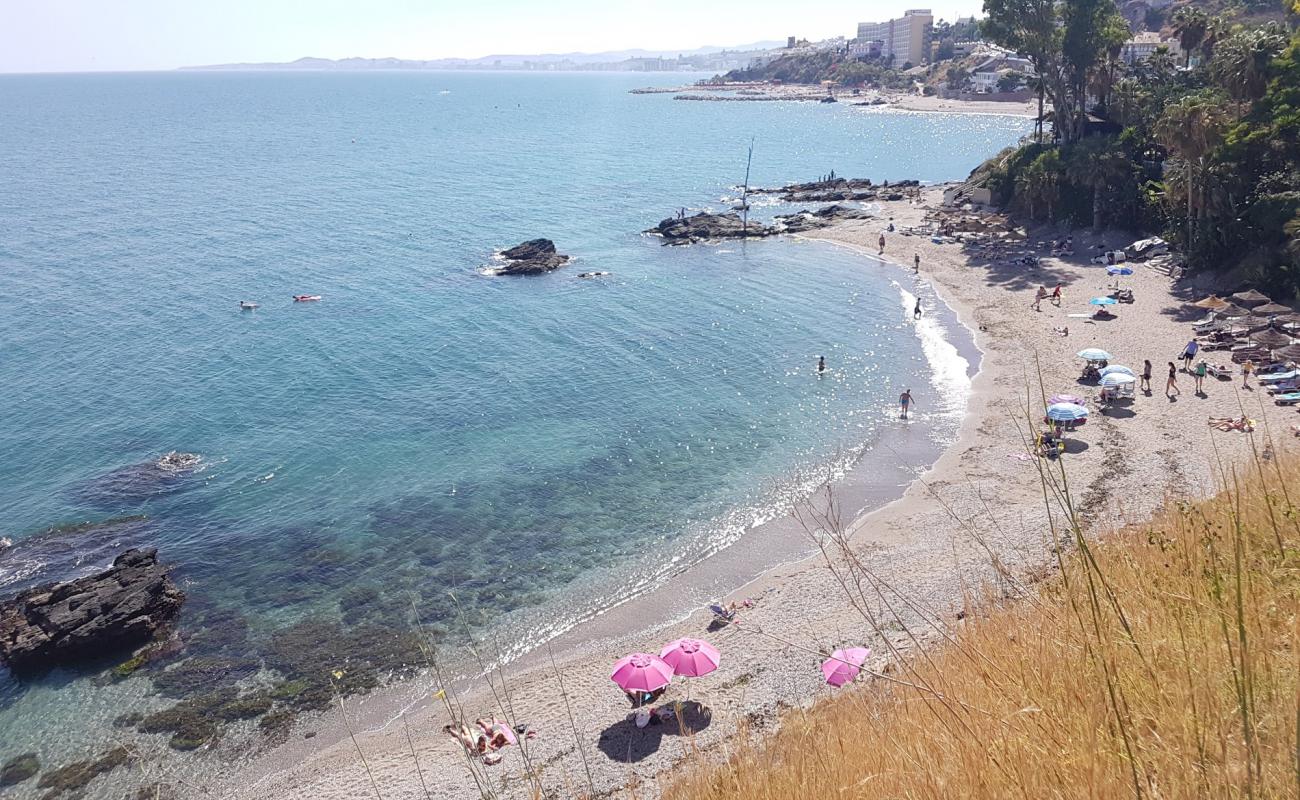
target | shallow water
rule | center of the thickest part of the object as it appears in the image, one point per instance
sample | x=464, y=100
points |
x=424, y=431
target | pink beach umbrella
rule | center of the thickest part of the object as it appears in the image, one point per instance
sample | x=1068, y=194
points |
x=691, y=657
x=844, y=665
x=641, y=672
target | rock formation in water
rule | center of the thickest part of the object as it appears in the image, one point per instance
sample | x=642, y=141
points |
x=835, y=190
x=803, y=221
x=534, y=257
x=62, y=623
x=704, y=227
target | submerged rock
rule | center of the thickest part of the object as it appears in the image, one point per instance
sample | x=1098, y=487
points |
x=136, y=483
x=533, y=257
x=76, y=776
x=18, y=769
x=703, y=227
x=62, y=623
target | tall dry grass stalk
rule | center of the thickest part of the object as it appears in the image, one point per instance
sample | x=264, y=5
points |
x=1159, y=662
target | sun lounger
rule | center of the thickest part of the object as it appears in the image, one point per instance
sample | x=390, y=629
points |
x=1278, y=377
x=1287, y=399
x=1219, y=371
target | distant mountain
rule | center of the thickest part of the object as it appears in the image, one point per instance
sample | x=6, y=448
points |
x=496, y=60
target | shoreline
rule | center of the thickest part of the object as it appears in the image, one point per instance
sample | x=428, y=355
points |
x=868, y=99
x=750, y=566
x=969, y=519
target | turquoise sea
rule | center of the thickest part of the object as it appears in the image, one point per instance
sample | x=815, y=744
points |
x=425, y=431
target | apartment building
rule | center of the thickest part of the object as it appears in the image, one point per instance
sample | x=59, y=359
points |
x=906, y=39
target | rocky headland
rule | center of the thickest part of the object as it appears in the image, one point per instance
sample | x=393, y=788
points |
x=708, y=227
x=838, y=190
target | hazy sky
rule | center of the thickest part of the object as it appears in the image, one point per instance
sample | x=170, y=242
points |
x=70, y=35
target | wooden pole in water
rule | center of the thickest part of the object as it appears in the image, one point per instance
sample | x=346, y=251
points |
x=744, y=195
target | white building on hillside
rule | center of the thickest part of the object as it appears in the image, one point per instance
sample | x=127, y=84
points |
x=906, y=39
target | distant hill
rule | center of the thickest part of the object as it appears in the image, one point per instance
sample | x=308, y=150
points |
x=495, y=60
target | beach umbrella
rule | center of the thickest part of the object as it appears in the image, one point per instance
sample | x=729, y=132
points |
x=1066, y=412
x=1103, y=301
x=1250, y=322
x=1117, y=379
x=641, y=672
x=1093, y=354
x=1251, y=298
x=1119, y=271
x=1271, y=309
x=1231, y=310
x=1116, y=368
x=1213, y=303
x=1290, y=352
x=691, y=657
x=1073, y=399
x=844, y=665
x=1270, y=339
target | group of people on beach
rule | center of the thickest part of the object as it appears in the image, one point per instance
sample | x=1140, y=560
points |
x=494, y=736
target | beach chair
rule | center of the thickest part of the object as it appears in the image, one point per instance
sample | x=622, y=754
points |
x=1287, y=399
x=1220, y=371
x=1048, y=447
x=1278, y=377
x=1285, y=387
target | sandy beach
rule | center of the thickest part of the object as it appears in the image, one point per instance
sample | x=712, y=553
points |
x=936, y=544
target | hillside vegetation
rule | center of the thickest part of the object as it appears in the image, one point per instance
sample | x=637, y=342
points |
x=1161, y=662
x=1204, y=149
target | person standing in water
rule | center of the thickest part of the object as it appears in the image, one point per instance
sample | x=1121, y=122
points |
x=916, y=264
x=882, y=244
x=905, y=402
x=916, y=312
x=821, y=364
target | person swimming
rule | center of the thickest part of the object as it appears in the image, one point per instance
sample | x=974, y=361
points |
x=821, y=364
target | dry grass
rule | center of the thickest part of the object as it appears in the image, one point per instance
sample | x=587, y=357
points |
x=1160, y=663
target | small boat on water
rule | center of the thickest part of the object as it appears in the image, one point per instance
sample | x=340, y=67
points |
x=245, y=305
x=306, y=298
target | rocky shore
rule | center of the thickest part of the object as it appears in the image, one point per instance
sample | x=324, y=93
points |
x=707, y=227
x=59, y=624
x=836, y=190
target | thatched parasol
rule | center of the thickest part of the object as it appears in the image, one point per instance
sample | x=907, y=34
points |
x=1251, y=298
x=1270, y=339
x=1291, y=352
x=1231, y=310
x=1271, y=309
x=1213, y=302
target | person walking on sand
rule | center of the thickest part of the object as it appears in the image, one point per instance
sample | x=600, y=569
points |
x=1201, y=369
x=1189, y=352
x=882, y=245
x=905, y=401
x=916, y=312
x=916, y=264
x=1246, y=369
x=1146, y=376
x=1056, y=296
x=821, y=364
x=1037, y=305
x=1171, y=385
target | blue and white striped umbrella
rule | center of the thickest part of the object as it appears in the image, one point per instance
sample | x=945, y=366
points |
x=1114, y=368
x=1093, y=354
x=1119, y=270
x=1103, y=301
x=1116, y=379
x=1066, y=412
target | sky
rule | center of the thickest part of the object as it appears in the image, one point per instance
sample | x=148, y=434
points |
x=103, y=35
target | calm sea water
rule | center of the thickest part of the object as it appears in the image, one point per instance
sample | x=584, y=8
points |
x=424, y=429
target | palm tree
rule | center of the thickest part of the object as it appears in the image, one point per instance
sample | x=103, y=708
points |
x=1241, y=62
x=1128, y=103
x=1191, y=129
x=1190, y=25
x=1161, y=64
x=1099, y=165
x=1038, y=185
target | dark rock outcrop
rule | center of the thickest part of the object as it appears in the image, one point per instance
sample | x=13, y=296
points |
x=821, y=218
x=704, y=227
x=533, y=257
x=836, y=190
x=62, y=623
